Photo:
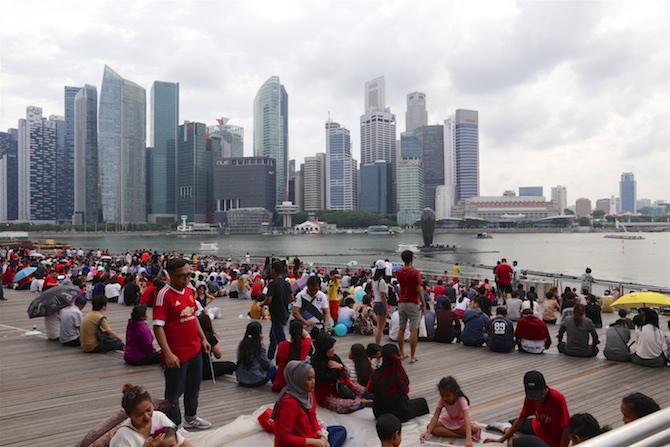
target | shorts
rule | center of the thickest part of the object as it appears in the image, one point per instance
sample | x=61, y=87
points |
x=380, y=309
x=411, y=312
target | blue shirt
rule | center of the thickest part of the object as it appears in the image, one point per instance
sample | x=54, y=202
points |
x=474, y=323
x=501, y=334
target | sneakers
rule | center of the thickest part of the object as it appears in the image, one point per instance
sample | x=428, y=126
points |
x=499, y=426
x=196, y=422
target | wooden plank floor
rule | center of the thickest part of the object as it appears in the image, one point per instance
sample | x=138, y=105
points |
x=52, y=395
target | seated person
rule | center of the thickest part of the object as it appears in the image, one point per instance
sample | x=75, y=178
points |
x=347, y=313
x=254, y=369
x=448, y=324
x=140, y=340
x=500, y=331
x=474, y=323
x=532, y=335
x=429, y=320
x=514, y=305
x=616, y=342
x=94, y=320
x=389, y=430
x=208, y=364
x=394, y=327
x=70, y=325
x=578, y=328
x=297, y=347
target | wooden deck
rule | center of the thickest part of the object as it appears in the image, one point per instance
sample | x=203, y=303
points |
x=52, y=395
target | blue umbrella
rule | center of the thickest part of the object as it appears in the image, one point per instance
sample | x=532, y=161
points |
x=26, y=272
x=396, y=267
x=352, y=263
x=299, y=284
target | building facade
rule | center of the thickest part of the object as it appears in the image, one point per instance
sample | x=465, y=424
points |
x=87, y=200
x=376, y=192
x=432, y=148
x=583, y=207
x=559, y=197
x=504, y=208
x=411, y=191
x=341, y=184
x=628, y=193
x=535, y=191
x=9, y=171
x=466, y=153
x=271, y=130
x=122, y=149
x=232, y=138
x=314, y=177
x=163, y=124
x=194, y=173
x=416, y=115
x=603, y=205
x=65, y=164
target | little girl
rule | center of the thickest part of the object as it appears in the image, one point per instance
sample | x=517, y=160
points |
x=456, y=423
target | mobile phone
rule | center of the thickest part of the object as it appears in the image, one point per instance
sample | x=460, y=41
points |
x=159, y=431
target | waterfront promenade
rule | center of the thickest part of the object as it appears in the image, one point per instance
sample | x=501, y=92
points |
x=52, y=395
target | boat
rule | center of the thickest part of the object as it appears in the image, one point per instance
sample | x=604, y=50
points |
x=437, y=248
x=623, y=236
x=414, y=248
x=191, y=229
x=484, y=236
x=210, y=246
x=378, y=229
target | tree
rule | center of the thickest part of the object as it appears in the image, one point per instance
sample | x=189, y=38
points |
x=598, y=214
x=583, y=221
x=568, y=212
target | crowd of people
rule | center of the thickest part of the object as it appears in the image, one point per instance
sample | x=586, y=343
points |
x=316, y=305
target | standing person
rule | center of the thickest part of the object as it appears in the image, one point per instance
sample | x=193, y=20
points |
x=500, y=332
x=516, y=275
x=380, y=293
x=181, y=338
x=504, y=275
x=411, y=304
x=296, y=266
x=278, y=297
x=456, y=270
x=71, y=322
x=334, y=296
x=587, y=280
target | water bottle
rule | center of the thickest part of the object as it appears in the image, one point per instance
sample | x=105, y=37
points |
x=352, y=441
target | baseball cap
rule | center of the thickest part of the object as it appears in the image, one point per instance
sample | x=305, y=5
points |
x=381, y=264
x=534, y=385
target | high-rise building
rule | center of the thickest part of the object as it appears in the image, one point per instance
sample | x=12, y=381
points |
x=410, y=145
x=164, y=120
x=37, y=174
x=432, y=148
x=603, y=205
x=527, y=191
x=614, y=205
x=232, y=138
x=271, y=130
x=65, y=163
x=466, y=153
x=195, y=173
x=122, y=149
x=416, y=115
x=559, y=197
x=628, y=193
x=87, y=200
x=243, y=182
x=582, y=207
x=445, y=195
x=411, y=192
x=341, y=184
x=9, y=171
x=378, y=137
x=314, y=176
x=376, y=191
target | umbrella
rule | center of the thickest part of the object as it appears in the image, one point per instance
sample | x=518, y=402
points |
x=105, y=258
x=298, y=284
x=642, y=299
x=53, y=300
x=37, y=255
x=352, y=263
x=24, y=273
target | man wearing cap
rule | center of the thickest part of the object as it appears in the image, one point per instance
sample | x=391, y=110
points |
x=550, y=411
x=70, y=323
x=411, y=303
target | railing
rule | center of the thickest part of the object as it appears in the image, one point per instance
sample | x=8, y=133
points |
x=650, y=431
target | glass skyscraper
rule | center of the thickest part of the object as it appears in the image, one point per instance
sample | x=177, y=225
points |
x=122, y=145
x=271, y=130
x=194, y=176
x=66, y=159
x=232, y=138
x=164, y=119
x=466, y=153
x=416, y=115
x=628, y=193
x=341, y=179
x=9, y=207
x=376, y=187
x=411, y=186
x=86, y=180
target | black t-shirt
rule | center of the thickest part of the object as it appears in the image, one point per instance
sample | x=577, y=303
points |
x=280, y=291
x=130, y=293
x=594, y=313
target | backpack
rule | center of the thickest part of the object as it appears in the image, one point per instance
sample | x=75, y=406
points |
x=392, y=296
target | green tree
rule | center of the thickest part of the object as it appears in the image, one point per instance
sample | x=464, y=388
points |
x=584, y=221
x=598, y=214
x=568, y=212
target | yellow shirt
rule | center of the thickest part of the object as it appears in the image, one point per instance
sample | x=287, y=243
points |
x=334, y=290
x=456, y=270
x=88, y=333
x=255, y=311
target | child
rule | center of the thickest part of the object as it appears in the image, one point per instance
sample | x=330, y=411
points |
x=257, y=311
x=457, y=422
x=170, y=438
x=374, y=352
x=347, y=313
x=360, y=368
x=389, y=430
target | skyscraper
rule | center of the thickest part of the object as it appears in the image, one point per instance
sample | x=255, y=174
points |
x=378, y=138
x=341, y=184
x=445, y=194
x=535, y=191
x=376, y=196
x=466, y=152
x=65, y=163
x=559, y=197
x=37, y=175
x=194, y=176
x=9, y=171
x=416, y=115
x=232, y=138
x=87, y=207
x=122, y=147
x=628, y=193
x=314, y=175
x=411, y=193
x=583, y=207
x=271, y=130
x=164, y=119
x=432, y=149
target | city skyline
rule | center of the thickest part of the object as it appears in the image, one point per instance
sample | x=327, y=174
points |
x=576, y=110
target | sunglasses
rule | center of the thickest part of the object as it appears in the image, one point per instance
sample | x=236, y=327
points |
x=135, y=393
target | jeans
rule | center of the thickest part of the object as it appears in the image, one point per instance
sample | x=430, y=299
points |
x=337, y=435
x=183, y=380
x=272, y=372
x=277, y=335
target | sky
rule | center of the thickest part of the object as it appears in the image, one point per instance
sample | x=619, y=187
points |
x=569, y=93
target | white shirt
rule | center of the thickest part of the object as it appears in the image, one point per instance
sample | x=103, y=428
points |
x=127, y=436
x=463, y=305
x=36, y=285
x=70, y=323
x=533, y=346
x=394, y=327
x=536, y=308
x=345, y=315
x=379, y=287
x=320, y=301
x=52, y=325
x=112, y=290
x=649, y=342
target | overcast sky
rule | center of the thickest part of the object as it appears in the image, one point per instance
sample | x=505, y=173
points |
x=570, y=92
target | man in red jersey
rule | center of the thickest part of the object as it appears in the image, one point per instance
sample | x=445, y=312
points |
x=504, y=274
x=181, y=338
x=411, y=304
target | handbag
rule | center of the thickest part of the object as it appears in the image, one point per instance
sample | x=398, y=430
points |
x=104, y=337
x=343, y=391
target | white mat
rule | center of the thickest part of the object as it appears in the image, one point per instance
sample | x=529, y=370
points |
x=245, y=431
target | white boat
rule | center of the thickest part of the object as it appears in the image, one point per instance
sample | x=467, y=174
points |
x=193, y=229
x=414, y=248
x=210, y=246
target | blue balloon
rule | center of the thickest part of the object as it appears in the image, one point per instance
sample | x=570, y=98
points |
x=360, y=294
x=341, y=330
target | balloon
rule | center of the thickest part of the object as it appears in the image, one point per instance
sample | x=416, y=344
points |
x=360, y=294
x=341, y=330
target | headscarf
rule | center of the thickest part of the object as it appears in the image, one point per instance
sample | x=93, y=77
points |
x=320, y=360
x=295, y=374
x=390, y=380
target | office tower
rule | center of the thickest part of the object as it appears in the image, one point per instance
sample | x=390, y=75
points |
x=291, y=181
x=378, y=138
x=9, y=171
x=232, y=138
x=445, y=195
x=164, y=120
x=271, y=130
x=314, y=177
x=410, y=145
x=432, y=148
x=603, y=205
x=559, y=197
x=37, y=175
x=243, y=182
x=300, y=188
x=341, y=182
x=194, y=173
x=535, y=191
x=614, y=205
x=122, y=149
x=376, y=191
x=466, y=152
x=87, y=200
x=65, y=160
x=582, y=207
x=628, y=193
x=416, y=115
x=411, y=192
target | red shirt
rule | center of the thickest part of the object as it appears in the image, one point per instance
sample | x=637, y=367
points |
x=148, y=294
x=283, y=353
x=551, y=417
x=438, y=290
x=294, y=424
x=176, y=311
x=49, y=282
x=504, y=272
x=408, y=278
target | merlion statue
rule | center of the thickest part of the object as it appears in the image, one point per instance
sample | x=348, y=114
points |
x=427, y=226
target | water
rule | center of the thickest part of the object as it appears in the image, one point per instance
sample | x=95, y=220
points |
x=641, y=261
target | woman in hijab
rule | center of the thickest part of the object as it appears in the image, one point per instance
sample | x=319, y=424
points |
x=334, y=389
x=390, y=385
x=294, y=413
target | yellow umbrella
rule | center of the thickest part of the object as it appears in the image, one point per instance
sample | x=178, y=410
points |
x=642, y=299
